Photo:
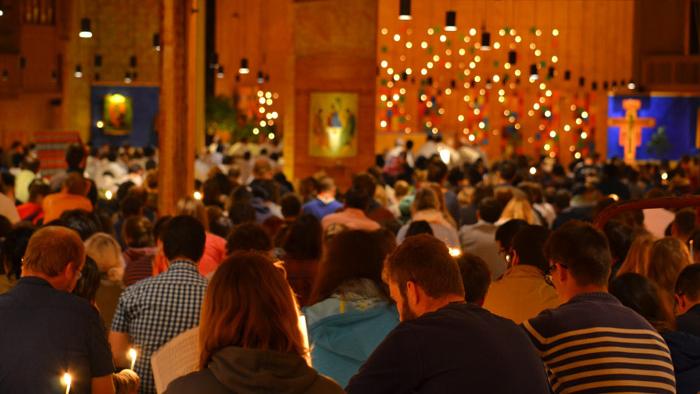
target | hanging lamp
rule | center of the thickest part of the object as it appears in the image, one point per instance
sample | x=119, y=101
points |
x=244, y=69
x=451, y=21
x=85, y=30
x=405, y=10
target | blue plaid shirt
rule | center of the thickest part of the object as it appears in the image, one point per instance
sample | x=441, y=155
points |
x=155, y=310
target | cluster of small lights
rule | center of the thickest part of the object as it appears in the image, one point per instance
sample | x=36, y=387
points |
x=268, y=116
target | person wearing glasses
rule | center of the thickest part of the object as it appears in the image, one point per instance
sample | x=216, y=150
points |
x=592, y=342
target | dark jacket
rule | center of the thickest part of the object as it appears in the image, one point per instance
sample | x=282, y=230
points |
x=690, y=321
x=685, y=352
x=242, y=371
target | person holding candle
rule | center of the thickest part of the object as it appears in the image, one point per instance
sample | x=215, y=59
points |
x=48, y=332
x=155, y=310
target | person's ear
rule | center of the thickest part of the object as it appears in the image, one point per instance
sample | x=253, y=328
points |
x=412, y=295
x=681, y=302
x=514, y=259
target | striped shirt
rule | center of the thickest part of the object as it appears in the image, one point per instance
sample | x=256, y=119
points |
x=594, y=344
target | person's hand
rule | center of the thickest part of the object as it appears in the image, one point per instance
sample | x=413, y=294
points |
x=126, y=382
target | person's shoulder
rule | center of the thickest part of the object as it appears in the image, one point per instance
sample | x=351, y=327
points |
x=196, y=382
x=325, y=385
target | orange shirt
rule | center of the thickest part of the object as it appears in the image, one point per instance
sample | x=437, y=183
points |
x=55, y=204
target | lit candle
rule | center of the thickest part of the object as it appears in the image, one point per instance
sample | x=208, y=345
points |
x=132, y=357
x=455, y=252
x=691, y=249
x=66, y=381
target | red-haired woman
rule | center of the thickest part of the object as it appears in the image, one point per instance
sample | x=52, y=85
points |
x=249, y=335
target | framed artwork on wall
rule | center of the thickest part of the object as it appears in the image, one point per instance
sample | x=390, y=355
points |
x=333, y=124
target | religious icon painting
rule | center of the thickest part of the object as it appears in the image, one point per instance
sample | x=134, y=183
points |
x=333, y=124
x=118, y=114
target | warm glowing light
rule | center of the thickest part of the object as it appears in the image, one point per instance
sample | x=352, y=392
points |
x=66, y=380
x=477, y=79
x=429, y=65
x=477, y=58
x=197, y=196
x=507, y=66
x=390, y=71
x=664, y=176
x=256, y=131
x=423, y=71
x=472, y=137
x=385, y=31
x=518, y=39
x=482, y=125
x=397, y=37
x=547, y=113
x=472, y=32
x=555, y=32
x=100, y=124
x=533, y=170
x=555, y=59
x=448, y=91
x=584, y=135
x=448, y=65
x=472, y=65
x=567, y=127
x=552, y=134
x=409, y=71
x=424, y=45
x=518, y=72
x=496, y=78
x=270, y=136
x=536, y=106
x=547, y=147
x=501, y=99
x=384, y=64
x=477, y=111
x=584, y=115
x=579, y=121
x=431, y=31
x=502, y=32
x=577, y=155
x=538, y=52
x=443, y=38
x=497, y=45
x=409, y=45
x=538, y=32
x=460, y=118
x=455, y=252
x=382, y=124
x=548, y=93
x=533, y=46
x=108, y=194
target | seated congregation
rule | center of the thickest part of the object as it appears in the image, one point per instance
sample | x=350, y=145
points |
x=440, y=281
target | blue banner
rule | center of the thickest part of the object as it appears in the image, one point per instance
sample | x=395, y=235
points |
x=675, y=129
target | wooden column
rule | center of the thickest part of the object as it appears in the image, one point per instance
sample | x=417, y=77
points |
x=335, y=50
x=177, y=103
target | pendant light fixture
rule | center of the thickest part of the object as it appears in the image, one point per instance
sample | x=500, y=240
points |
x=533, y=72
x=220, y=72
x=5, y=74
x=127, y=77
x=133, y=61
x=550, y=72
x=85, y=30
x=606, y=85
x=451, y=20
x=512, y=57
x=156, y=41
x=98, y=60
x=405, y=10
x=261, y=78
x=78, y=73
x=244, y=69
x=485, y=39
x=567, y=75
x=594, y=86
x=582, y=82
x=631, y=85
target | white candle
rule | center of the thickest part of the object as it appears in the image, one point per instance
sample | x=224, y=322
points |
x=132, y=357
x=66, y=381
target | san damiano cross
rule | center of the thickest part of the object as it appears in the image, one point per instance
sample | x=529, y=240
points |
x=631, y=128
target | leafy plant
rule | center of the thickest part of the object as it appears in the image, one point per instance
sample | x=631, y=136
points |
x=659, y=144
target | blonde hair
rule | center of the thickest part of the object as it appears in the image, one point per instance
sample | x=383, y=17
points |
x=637, y=260
x=667, y=258
x=249, y=304
x=190, y=207
x=519, y=208
x=107, y=254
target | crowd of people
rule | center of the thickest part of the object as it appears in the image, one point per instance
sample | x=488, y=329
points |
x=430, y=272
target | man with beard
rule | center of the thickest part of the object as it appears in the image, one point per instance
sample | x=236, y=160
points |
x=443, y=344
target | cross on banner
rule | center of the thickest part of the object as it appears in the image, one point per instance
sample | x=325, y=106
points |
x=631, y=128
